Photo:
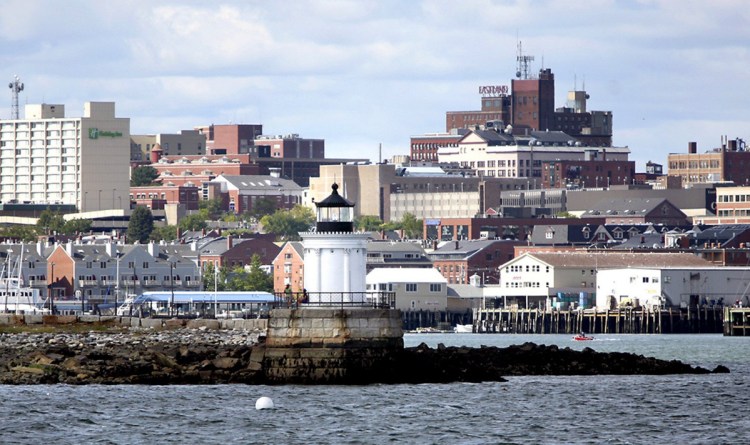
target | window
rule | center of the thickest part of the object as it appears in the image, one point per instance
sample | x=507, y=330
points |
x=645, y=279
x=436, y=287
x=411, y=287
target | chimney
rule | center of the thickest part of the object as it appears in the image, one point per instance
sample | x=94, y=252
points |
x=69, y=248
x=457, y=245
x=229, y=242
x=604, y=154
x=39, y=248
x=111, y=249
x=692, y=147
x=153, y=249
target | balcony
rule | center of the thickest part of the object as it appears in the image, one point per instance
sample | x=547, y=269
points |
x=88, y=282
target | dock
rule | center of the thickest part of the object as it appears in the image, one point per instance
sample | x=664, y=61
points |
x=737, y=321
x=696, y=319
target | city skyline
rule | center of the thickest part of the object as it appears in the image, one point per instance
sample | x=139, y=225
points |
x=361, y=74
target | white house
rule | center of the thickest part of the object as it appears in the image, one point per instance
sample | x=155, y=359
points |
x=671, y=286
x=415, y=288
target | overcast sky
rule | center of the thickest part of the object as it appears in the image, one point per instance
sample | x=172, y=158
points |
x=362, y=73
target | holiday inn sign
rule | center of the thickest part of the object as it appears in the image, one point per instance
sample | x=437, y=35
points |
x=94, y=133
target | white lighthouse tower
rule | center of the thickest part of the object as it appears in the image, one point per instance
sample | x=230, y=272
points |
x=335, y=256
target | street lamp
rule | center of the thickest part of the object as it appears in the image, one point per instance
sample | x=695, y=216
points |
x=51, y=290
x=171, y=282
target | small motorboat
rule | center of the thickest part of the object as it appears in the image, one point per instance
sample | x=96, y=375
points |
x=463, y=329
x=582, y=337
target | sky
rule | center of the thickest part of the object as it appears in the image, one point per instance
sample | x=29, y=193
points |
x=366, y=75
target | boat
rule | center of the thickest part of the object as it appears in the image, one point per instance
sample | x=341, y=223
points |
x=463, y=329
x=582, y=337
x=17, y=298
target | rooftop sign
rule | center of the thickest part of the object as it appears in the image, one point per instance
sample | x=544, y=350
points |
x=493, y=90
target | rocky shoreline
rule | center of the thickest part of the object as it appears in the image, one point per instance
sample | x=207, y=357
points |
x=202, y=356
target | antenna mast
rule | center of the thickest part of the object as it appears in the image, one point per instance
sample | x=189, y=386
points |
x=16, y=87
x=523, y=63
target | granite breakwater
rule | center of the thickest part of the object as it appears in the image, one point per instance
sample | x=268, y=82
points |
x=204, y=356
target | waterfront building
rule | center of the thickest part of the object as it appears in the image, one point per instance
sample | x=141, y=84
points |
x=661, y=286
x=49, y=158
x=396, y=255
x=544, y=280
x=415, y=289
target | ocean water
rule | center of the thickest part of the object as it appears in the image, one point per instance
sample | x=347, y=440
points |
x=691, y=409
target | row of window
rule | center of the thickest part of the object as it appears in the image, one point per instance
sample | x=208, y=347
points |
x=733, y=198
x=104, y=278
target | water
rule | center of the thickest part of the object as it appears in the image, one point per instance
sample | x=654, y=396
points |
x=691, y=409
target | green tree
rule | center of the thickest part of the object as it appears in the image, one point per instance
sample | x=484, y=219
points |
x=412, y=226
x=254, y=279
x=287, y=224
x=141, y=225
x=50, y=221
x=76, y=226
x=213, y=280
x=565, y=215
x=368, y=223
x=144, y=175
x=262, y=207
x=19, y=232
x=211, y=208
x=196, y=221
x=165, y=233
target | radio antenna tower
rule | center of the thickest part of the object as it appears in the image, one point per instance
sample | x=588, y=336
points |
x=16, y=87
x=523, y=63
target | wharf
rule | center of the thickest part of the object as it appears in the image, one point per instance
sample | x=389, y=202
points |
x=737, y=321
x=697, y=320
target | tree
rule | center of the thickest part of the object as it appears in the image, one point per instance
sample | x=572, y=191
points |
x=76, y=226
x=211, y=208
x=210, y=281
x=196, y=221
x=19, y=233
x=262, y=207
x=143, y=175
x=255, y=279
x=50, y=221
x=166, y=233
x=287, y=224
x=141, y=224
x=368, y=223
x=412, y=226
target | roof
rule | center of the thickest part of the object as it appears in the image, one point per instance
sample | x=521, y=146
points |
x=334, y=199
x=258, y=182
x=405, y=275
x=625, y=207
x=463, y=248
x=611, y=260
x=392, y=246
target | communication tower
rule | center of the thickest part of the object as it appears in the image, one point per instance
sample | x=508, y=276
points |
x=16, y=87
x=523, y=63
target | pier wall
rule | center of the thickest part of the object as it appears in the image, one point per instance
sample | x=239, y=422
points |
x=695, y=320
x=320, y=345
x=135, y=322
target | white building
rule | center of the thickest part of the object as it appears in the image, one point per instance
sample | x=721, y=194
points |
x=49, y=158
x=502, y=155
x=561, y=278
x=415, y=288
x=671, y=286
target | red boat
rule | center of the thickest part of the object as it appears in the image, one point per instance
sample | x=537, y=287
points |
x=582, y=337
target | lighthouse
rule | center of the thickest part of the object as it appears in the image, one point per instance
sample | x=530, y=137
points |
x=335, y=256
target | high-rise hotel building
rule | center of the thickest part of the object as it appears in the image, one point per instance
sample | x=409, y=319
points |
x=48, y=158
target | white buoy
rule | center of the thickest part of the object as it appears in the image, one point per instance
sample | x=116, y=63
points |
x=264, y=403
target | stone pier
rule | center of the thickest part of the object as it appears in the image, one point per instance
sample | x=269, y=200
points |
x=322, y=345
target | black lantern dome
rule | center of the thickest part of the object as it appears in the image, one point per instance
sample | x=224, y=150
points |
x=335, y=213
